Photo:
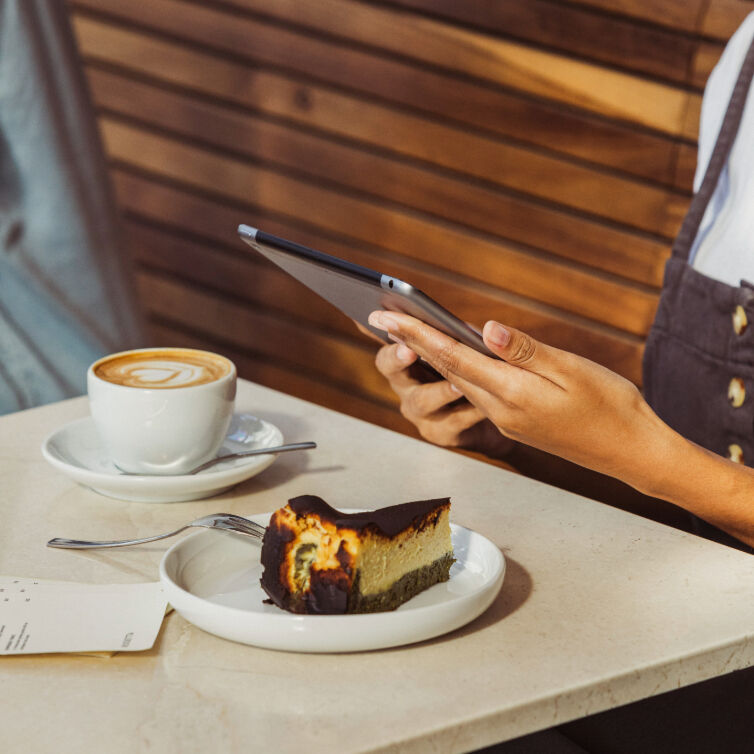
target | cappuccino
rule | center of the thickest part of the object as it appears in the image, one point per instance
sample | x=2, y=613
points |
x=162, y=410
x=163, y=368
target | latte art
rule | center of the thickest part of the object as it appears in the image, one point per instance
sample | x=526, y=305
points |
x=157, y=370
x=156, y=373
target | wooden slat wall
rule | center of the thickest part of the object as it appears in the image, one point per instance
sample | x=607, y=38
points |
x=528, y=160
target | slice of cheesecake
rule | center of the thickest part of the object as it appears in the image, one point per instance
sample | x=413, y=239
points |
x=319, y=560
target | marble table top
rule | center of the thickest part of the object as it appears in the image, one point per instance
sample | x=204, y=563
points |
x=599, y=608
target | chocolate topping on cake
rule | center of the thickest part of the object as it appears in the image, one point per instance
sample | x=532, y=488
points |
x=388, y=521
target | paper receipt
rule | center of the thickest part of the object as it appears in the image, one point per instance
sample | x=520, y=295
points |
x=39, y=616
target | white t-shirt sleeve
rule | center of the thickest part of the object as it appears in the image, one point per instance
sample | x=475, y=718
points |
x=717, y=93
x=722, y=249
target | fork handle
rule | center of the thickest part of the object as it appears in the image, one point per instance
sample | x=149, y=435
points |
x=81, y=544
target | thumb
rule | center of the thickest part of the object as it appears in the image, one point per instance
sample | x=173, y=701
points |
x=513, y=346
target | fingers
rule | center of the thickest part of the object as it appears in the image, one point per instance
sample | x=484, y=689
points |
x=458, y=363
x=448, y=427
x=393, y=362
x=418, y=399
x=513, y=346
x=494, y=388
x=393, y=359
x=521, y=350
x=423, y=400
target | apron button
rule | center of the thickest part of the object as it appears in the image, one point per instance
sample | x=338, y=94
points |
x=736, y=392
x=735, y=453
x=739, y=320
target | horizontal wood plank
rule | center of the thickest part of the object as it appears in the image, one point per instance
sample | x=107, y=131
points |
x=610, y=39
x=621, y=305
x=545, y=74
x=625, y=42
x=674, y=14
x=686, y=165
x=607, y=143
x=583, y=240
x=722, y=17
x=713, y=18
x=705, y=59
x=650, y=208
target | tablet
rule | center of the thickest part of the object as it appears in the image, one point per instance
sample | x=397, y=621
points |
x=358, y=291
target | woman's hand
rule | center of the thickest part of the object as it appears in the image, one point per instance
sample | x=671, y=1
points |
x=536, y=394
x=437, y=409
x=573, y=408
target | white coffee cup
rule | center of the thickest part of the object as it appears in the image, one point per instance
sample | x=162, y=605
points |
x=162, y=410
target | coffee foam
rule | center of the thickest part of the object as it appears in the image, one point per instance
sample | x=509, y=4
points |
x=159, y=370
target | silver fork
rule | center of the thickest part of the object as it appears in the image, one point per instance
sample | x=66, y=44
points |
x=224, y=521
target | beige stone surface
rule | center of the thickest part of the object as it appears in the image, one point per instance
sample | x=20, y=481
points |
x=599, y=608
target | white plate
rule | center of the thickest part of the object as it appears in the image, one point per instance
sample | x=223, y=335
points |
x=212, y=579
x=76, y=450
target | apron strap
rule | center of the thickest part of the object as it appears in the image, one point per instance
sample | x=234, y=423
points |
x=725, y=138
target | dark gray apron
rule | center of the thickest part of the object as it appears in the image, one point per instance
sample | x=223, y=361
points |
x=699, y=357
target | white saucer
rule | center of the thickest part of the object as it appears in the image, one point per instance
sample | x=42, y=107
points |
x=212, y=579
x=76, y=450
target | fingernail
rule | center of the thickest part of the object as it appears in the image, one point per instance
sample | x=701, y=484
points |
x=455, y=389
x=496, y=334
x=383, y=321
x=404, y=354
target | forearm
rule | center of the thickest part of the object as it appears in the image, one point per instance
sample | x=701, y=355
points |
x=654, y=459
x=649, y=467
x=705, y=484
